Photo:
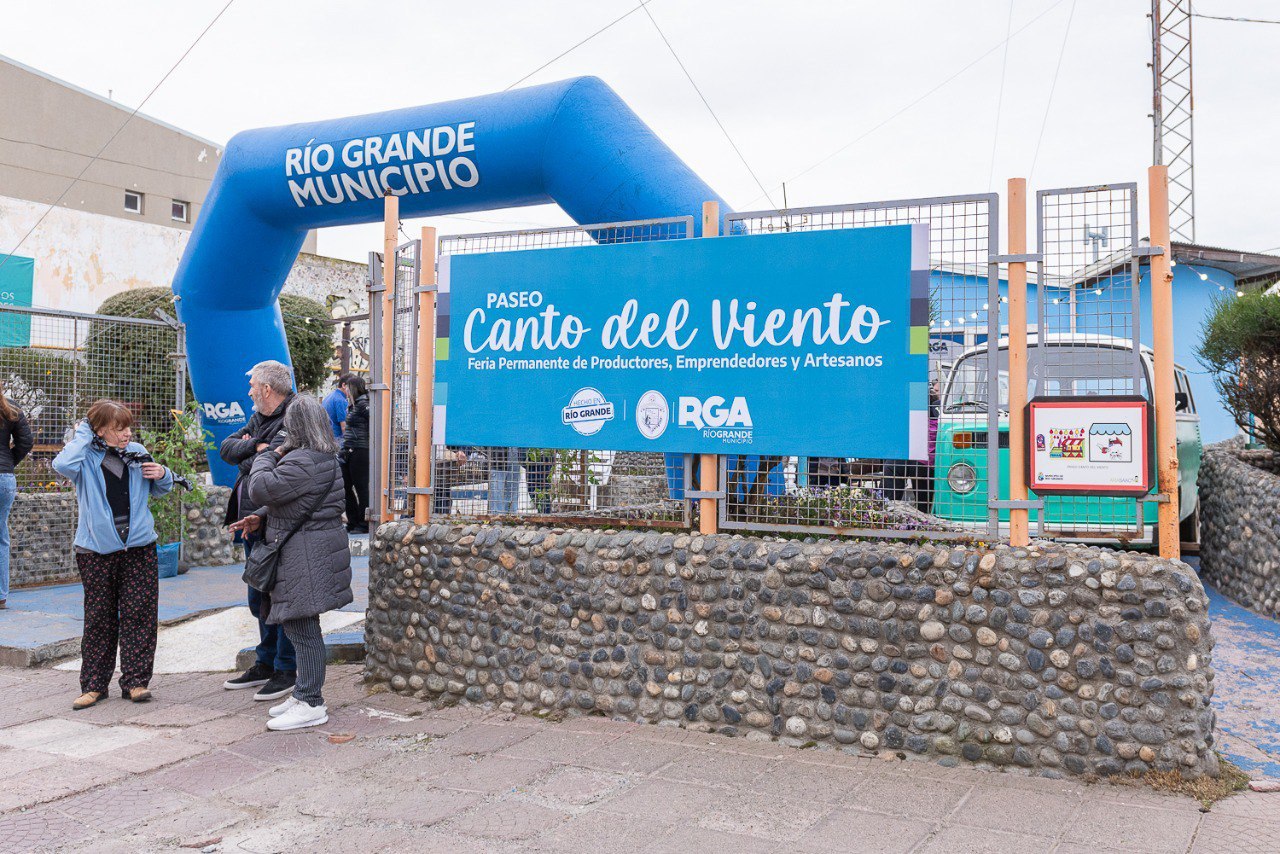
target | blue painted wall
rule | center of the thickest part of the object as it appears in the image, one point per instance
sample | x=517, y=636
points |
x=1193, y=298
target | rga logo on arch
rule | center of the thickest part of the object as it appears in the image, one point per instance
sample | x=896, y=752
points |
x=728, y=420
x=223, y=413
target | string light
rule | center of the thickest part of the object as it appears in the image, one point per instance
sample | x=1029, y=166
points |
x=946, y=323
x=1204, y=277
x=1098, y=291
x=1239, y=293
x=960, y=320
x=984, y=307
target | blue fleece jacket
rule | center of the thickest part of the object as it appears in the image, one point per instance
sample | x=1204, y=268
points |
x=81, y=463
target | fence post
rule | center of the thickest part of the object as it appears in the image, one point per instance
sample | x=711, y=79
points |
x=1162, y=341
x=390, y=227
x=709, y=464
x=1019, y=528
x=424, y=397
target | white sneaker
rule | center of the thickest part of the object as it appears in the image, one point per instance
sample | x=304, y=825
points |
x=298, y=716
x=280, y=708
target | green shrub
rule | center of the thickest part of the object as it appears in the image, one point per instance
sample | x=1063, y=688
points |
x=181, y=448
x=1241, y=346
x=310, y=338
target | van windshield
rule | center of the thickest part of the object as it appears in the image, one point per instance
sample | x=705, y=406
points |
x=1069, y=370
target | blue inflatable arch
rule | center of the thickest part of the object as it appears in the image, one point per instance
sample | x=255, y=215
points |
x=575, y=143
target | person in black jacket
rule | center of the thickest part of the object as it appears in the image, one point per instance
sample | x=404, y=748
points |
x=355, y=454
x=271, y=388
x=16, y=442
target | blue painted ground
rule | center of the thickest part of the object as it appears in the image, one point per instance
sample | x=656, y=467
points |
x=1246, y=694
x=46, y=615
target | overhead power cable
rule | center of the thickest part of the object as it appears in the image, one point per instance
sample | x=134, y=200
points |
x=1044, y=122
x=1004, y=67
x=707, y=104
x=112, y=139
x=565, y=53
x=919, y=99
x=1235, y=20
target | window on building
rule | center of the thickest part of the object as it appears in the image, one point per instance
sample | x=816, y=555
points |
x=181, y=211
x=133, y=201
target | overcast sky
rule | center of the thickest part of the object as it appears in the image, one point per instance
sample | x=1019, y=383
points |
x=830, y=97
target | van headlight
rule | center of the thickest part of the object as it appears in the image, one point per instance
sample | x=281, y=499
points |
x=962, y=478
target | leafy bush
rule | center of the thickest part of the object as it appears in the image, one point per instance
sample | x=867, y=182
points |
x=1241, y=346
x=181, y=448
x=310, y=338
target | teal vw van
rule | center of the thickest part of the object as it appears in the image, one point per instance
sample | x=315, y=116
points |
x=1076, y=365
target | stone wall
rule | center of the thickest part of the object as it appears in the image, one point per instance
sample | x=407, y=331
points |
x=42, y=526
x=1061, y=659
x=42, y=529
x=1240, y=525
x=206, y=541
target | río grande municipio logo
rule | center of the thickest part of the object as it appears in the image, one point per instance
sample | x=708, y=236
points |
x=587, y=411
x=652, y=414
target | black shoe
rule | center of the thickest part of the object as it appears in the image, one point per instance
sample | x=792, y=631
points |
x=280, y=684
x=257, y=675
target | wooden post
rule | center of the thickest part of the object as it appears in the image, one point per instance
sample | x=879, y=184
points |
x=709, y=464
x=1019, y=533
x=390, y=226
x=1162, y=340
x=424, y=397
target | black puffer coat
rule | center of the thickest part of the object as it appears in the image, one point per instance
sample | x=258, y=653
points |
x=315, y=568
x=357, y=432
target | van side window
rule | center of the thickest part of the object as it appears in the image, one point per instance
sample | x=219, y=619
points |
x=1183, y=384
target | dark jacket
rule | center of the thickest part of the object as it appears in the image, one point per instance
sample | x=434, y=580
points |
x=241, y=447
x=314, y=575
x=357, y=435
x=16, y=441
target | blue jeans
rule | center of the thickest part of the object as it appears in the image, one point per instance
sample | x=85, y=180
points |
x=8, y=491
x=274, y=649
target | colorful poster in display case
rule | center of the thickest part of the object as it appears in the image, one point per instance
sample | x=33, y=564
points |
x=1089, y=445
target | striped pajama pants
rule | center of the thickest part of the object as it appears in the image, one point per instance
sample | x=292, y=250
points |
x=304, y=633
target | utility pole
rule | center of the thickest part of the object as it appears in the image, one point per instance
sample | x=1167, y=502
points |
x=1172, y=103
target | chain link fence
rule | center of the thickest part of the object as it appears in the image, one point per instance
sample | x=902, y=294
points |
x=945, y=496
x=53, y=365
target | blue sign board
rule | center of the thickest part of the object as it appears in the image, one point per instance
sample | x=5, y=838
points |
x=811, y=343
x=17, y=277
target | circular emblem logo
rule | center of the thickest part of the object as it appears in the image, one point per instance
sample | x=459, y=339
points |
x=652, y=415
x=587, y=411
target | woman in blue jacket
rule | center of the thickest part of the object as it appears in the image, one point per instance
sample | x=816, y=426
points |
x=115, y=549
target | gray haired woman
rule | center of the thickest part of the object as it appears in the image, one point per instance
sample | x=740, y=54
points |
x=299, y=485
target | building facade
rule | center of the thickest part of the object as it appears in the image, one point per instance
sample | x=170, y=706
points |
x=125, y=220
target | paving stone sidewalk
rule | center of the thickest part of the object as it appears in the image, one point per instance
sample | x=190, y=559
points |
x=197, y=764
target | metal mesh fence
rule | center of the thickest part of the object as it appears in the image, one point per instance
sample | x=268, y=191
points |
x=1086, y=325
x=54, y=364
x=404, y=360
x=559, y=485
x=615, y=487
x=947, y=495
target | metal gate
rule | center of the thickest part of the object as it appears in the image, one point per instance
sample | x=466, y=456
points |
x=949, y=495
x=1085, y=342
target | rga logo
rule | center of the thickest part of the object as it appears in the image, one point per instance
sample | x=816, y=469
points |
x=729, y=421
x=652, y=415
x=587, y=411
x=223, y=412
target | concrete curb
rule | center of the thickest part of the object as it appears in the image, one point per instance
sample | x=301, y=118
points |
x=340, y=648
x=35, y=656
